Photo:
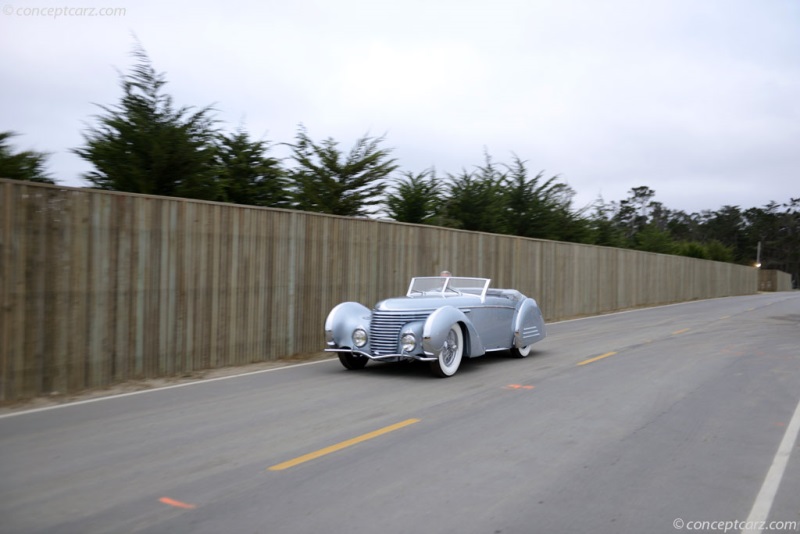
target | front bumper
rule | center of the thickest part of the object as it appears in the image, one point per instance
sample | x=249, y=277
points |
x=387, y=357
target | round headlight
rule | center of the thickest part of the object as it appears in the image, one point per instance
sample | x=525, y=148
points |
x=359, y=337
x=409, y=342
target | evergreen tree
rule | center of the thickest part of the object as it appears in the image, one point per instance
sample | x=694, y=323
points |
x=603, y=230
x=27, y=166
x=415, y=199
x=691, y=249
x=718, y=252
x=475, y=201
x=327, y=181
x=147, y=145
x=247, y=175
x=725, y=225
x=777, y=228
x=631, y=214
x=540, y=208
x=652, y=239
x=684, y=227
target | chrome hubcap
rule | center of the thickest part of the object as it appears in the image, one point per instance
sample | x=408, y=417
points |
x=450, y=348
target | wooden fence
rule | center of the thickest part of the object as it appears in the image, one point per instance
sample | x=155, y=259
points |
x=98, y=288
x=773, y=280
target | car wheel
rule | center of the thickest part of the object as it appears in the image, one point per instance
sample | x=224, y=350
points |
x=521, y=352
x=449, y=357
x=352, y=362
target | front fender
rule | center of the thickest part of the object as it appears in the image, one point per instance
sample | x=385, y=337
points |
x=528, y=324
x=342, y=320
x=438, y=325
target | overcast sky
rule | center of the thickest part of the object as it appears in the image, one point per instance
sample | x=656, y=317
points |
x=697, y=99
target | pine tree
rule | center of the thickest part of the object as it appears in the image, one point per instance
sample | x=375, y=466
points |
x=415, y=199
x=28, y=165
x=147, y=145
x=247, y=175
x=538, y=207
x=326, y=180
x=475, y=200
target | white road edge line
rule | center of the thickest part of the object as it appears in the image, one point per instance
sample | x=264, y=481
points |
x=634, y=310
x=161, y=388
x=657, y=306
x=763, y=503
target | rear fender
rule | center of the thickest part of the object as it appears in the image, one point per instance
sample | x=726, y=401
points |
x=438, y=325
x=528, y=324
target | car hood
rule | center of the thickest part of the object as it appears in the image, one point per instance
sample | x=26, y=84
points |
x=425, y=303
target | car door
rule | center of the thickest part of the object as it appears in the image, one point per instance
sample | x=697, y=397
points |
x=493, y=320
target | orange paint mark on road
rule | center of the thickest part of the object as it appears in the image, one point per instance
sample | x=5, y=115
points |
x=518, y=386
x=177, y=504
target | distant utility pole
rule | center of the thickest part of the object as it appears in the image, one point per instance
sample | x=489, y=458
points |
x=758, y=255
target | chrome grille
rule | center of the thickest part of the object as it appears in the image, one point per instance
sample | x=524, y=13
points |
x=384, y=329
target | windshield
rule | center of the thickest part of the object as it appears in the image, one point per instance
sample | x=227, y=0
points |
x=448, y=286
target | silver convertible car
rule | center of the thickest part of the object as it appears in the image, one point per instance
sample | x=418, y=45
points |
x=440, y=320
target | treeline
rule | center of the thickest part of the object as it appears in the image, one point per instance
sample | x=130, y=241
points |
x=147, y=144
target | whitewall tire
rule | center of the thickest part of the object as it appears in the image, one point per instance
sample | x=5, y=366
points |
x=521, y=352
x=448, y=359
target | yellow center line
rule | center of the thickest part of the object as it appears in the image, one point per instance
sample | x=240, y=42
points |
x=590, y=360
x=343, y=445
x=680, y=331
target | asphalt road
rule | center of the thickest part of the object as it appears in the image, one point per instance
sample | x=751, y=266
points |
x=648, y=421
